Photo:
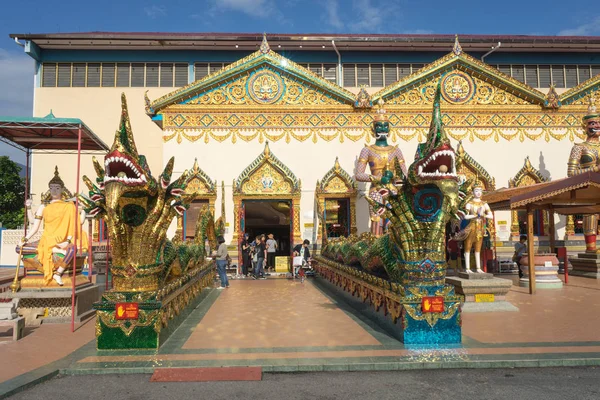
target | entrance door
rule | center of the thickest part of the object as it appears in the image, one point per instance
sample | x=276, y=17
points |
x=337, y=217
x=190, y=218
x=538, y=222
x=263, y=217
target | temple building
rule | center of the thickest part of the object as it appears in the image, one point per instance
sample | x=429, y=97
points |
x=271, y=126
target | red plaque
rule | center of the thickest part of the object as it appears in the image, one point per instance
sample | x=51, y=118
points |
x=126, y=311
x=432, y=304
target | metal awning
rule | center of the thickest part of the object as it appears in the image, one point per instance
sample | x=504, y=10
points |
x=49, y=134
x=578, y=194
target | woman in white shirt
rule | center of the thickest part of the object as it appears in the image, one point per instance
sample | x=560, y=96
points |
x=222, y=262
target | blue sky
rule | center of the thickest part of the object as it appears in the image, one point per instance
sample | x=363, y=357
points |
x=528, y=17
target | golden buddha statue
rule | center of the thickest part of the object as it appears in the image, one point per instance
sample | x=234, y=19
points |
x=477, y=212
x=584, y=157
x=377, y=156
x=55, y=250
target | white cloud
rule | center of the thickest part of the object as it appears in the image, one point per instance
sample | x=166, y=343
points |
x=370, y=16
x=155, y=11
x=16, y=84
x=332, y=14
x=254, y=8
x=589, y=29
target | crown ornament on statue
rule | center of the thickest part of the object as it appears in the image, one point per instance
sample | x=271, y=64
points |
x=56, y=179
x=380, y=115
x=592, y=113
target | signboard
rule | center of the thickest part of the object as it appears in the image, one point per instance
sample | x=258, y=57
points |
x=434, y=304
x=484, y=298
x=282, y=264
x=126, y=311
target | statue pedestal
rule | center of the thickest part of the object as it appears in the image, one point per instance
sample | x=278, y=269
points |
x=483, y=292
x=156, y=314
x=53, y=305
x=586, y=265
x=546, y=271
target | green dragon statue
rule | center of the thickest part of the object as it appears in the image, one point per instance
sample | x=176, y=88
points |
x=147, y=268
x=411, y=256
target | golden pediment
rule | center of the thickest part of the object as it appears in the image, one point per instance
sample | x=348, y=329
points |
x=472, y=170
x=266, y=176
x=465, y=81
x=580, y=95
x=527, y=175
x=199, y=184
x=337, y=180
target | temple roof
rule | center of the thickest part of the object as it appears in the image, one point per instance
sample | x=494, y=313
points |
x=339, y=172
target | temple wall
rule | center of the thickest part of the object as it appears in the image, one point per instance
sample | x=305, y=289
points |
x=99, y=108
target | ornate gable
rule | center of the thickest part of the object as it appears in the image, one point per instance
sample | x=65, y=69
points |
x=266, y=176
x=465, y=81
x=472, y=170
x=262, y=78
x=199, y=184
x=337, y=181
x=580, y=94
x=526, y=176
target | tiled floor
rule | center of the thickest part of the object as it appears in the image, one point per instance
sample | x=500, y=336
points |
x=284, y=325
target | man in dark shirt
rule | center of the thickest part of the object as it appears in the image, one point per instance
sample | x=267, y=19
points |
x=245, y=245
x=302, y=249
x=261, y=254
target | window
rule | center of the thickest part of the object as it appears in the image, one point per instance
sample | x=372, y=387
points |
x=93, y=75
x=137, y=75
x=571, y=75
x=330, y=72
x=595, y=70
x=123, y=75
x=151, y=75
x=505, y=69
x=584, y=73
x=315, y=69
x=531, y=75
x=200, y=71
x=362, y=75
x=349, y=73
x=558, y=76
x=49, y=75
x=166, y=75
x=544, y=75
x=108, y=75
x=64, y=75
x=416, y=67
x=518, y=72
x=214, y=67
x=376, y=75
x=390, y=74
x=78, y=75
x=403, y=70
x=181, y=74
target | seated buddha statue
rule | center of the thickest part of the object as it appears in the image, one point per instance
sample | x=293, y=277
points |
x=55, y=250
x=378, y=157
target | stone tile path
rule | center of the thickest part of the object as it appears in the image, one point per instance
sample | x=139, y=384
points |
x=283, y=325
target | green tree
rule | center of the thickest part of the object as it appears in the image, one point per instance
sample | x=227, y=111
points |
x=12, y=192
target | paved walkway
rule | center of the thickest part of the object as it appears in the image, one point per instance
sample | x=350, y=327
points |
x=284, y=325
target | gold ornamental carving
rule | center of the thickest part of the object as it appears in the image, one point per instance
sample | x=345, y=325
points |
x=266, y=180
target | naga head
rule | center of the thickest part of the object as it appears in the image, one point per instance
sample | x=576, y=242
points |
x=435, y=160
x=136, y=207
x=591, y=122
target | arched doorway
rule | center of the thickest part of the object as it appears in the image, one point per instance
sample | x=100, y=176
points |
x=526, y=176
x=266, y=198
x=335, y=195
x=200, y=191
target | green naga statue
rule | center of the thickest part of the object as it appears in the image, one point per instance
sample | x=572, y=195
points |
x=147, y=268
x=412, y=255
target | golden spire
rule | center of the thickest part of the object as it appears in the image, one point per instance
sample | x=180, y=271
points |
x=56, y=179
x=264, y=46
x=195, y=168
x=457, y=48
x=267, y=151
x=337, y=166
x=381, y=113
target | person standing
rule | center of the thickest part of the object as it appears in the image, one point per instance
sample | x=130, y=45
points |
x=520, y=251
x=271, y=251
x=245, y=245
x=222, y=262
x=261, y=254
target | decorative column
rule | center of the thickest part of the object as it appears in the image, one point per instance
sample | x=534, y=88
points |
x=296, y=221
x=236, y=219
x=514, y=225
x=353, y=229
x=570, y=227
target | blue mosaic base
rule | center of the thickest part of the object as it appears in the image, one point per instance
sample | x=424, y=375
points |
x=443, y=332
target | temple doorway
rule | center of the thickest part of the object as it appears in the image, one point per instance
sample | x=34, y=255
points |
x=264, y=217
x=190, y=217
